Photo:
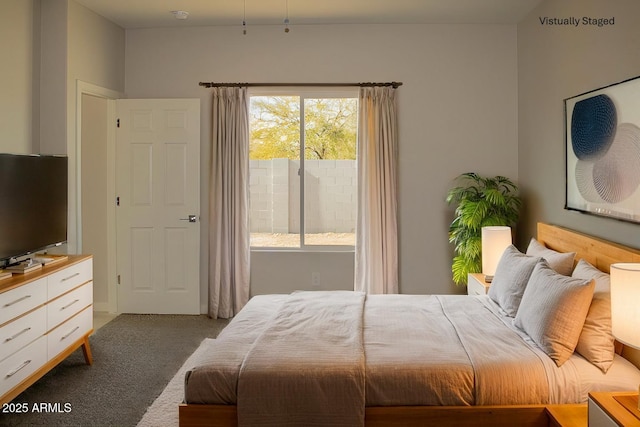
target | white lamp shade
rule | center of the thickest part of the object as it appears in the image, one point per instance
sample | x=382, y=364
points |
x=625, y=303
x=494, y=241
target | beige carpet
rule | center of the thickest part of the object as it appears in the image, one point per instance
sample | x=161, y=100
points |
x=163, y=412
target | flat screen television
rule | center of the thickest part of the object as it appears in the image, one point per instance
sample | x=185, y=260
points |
x=33, y=204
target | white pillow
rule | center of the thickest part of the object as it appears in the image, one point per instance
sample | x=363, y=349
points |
x=510, y=279
x=596, y=343
x=562, y=262
x=553, y=310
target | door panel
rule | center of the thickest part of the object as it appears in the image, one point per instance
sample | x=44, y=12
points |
x=158, y=185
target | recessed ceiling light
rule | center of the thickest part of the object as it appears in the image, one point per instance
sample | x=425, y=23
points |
x=180, y=14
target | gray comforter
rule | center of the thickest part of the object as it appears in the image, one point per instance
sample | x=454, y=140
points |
x=453, y=350
x=310, y=357
x=318, y=358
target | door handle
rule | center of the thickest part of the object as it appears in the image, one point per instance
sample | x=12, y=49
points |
x=190, y=218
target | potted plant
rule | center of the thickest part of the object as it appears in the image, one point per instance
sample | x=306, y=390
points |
x=480, y=202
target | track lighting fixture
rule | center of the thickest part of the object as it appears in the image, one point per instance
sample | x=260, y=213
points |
x=286, y=17
x=244, y=17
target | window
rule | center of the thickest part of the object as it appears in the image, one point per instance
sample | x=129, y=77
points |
x=303, y=185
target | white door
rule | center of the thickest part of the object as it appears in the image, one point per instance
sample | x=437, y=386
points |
x=158, y=212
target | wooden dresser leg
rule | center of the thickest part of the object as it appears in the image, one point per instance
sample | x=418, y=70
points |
x=86, y=350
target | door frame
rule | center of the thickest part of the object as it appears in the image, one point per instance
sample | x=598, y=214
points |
x=74, y=152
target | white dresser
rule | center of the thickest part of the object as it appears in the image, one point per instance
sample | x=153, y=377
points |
x=44, y=317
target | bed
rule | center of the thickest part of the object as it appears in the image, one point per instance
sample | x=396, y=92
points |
x=344, y=358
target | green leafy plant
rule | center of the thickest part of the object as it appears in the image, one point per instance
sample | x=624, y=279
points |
x=480, y=202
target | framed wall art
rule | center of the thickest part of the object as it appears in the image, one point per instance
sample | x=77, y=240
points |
x=603, y=151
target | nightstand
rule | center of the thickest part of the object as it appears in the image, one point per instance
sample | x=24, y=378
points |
x=605, y=410
x=476, y=284
x=567, y=415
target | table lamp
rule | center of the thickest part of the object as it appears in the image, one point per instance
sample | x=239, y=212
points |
x=625, y=304
x=495, y=240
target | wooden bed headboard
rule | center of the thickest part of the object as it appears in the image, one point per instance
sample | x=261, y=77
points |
x=598, y=252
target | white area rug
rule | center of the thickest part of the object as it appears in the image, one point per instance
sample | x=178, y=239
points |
x=163, y=412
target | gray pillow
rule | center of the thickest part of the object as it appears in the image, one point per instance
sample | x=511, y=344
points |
x=553, y=310
x=596, y=342
x=510, y=279
x=562, y=262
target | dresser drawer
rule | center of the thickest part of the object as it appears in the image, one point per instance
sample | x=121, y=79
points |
x=20, y=365
x=22, y=299
x=15, y=335
x=69, y=278
x=70, y=331
x=65, y=306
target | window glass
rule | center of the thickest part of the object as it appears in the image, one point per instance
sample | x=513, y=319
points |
x=303, y=184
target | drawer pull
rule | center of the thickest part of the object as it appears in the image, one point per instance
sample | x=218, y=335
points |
x=70, y=277
x=9, y=304
x=70, y=304
x=13, y=337
x=72, y=331
x=15, y=371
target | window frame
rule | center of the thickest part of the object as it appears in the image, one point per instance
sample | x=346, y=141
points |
x=304, y=92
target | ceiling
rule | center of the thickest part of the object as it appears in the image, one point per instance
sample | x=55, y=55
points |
x=157, y=13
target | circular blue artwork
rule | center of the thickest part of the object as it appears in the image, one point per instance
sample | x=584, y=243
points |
x=593, y=127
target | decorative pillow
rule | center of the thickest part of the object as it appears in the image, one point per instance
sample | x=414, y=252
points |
x=553, y=310
x=510, y=279
x=596, y=343
x=562, y=262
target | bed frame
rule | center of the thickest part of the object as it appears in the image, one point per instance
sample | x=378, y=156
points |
x=598, y=252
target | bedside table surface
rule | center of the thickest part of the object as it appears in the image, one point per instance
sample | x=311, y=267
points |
x=613, y=408
x=568, y=415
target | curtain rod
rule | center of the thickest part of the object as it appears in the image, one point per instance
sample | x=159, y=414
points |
x=395, y=85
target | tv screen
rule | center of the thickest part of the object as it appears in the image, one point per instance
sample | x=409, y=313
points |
x=33, y=203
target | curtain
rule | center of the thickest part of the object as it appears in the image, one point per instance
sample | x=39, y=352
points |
x=376, y=257
x=229, y=246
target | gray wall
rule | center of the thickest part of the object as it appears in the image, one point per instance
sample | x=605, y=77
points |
x=19, y=44
x=555, y=63
x=95, y=55
x=77, y=44
x=52, y=132
x=487, y=98
x=47, y=46
x=458, y=113
x=459, y=97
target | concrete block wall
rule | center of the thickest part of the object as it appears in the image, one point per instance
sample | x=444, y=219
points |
x=330, y=190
